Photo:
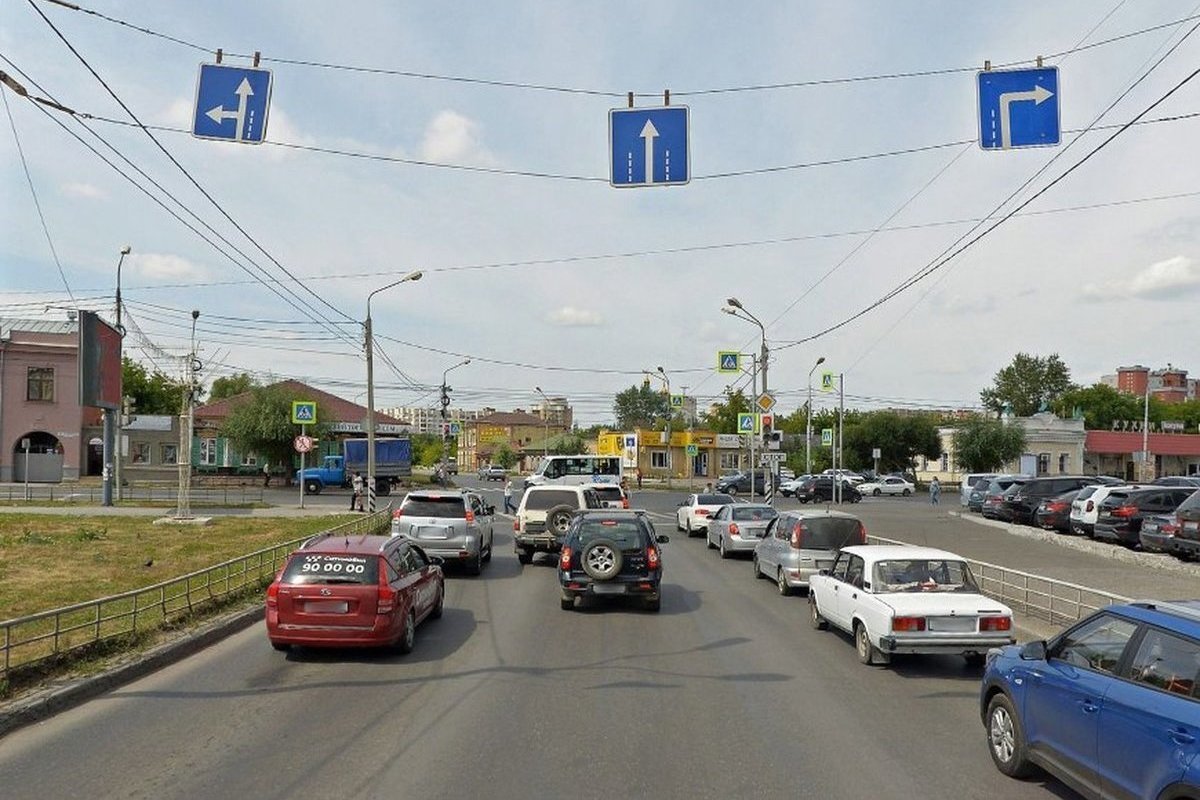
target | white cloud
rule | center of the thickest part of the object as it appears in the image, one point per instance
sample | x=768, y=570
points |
x=451, y=137
x=87, y=191
x=1171, y=279
x=571, y=317
x=164, y=266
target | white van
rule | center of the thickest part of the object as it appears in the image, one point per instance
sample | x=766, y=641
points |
x=968, y=481
x=576, y=470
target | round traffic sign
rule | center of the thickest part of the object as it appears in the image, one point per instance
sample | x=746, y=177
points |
x=303, y=444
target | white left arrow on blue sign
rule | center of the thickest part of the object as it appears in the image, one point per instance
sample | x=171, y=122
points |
x=218, y=113
x=232, y=103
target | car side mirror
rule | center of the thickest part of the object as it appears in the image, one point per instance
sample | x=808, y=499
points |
x=682, y=503
x=1034, y=651
x=436, y=560
x=822, y=572
x=662, y=538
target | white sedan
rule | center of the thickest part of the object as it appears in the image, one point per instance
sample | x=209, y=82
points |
x=899, y=599
x=888, y=484
x=694, y=512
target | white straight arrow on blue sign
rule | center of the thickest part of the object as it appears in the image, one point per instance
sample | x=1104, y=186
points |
x=649, y=146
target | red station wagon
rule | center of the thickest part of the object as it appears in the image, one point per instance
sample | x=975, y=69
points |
x=365, y=591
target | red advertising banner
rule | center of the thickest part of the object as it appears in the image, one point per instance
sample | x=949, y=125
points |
x=99, y=363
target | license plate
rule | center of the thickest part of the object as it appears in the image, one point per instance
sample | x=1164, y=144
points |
x=432, y=532
x=952, y=624
x=608, y=588
x=327, y=606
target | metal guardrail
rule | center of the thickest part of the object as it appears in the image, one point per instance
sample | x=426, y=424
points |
x=27, y=641
x=200, y=495
x=1057, y=602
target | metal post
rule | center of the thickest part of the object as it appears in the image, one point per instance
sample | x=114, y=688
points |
x=667, y=381
x=1145, y=476
x=303, y=430
x=753, y=393
x=841, y=427
x=121, y=330
x=26, y=444
x=188, y=430
x=370, y=412
x=109, y=428
x=808, y=428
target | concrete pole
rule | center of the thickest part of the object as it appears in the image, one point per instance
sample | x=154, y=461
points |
x=370, y=345
x=110, y=427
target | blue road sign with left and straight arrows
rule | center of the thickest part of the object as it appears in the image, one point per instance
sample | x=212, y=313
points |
x=649, y=146
x=232, y=103
x=1019, y=108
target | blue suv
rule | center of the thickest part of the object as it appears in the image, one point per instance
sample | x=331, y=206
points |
x=1111, y=706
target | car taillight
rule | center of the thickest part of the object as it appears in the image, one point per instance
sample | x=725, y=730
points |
x=733, y=528
x=1124, y=511
x=652, y=557
x=517, y=525
x=564, y=560
x=398, y=513
x=1090, y=506
x=624, y=502
x=1168, y=528
x=862, y=533
x=387, y=597
x=995, y=623
x=273, y=595
x=908, y=623
x=470, y=516
x=701, y=512
x=798, y=531
x=1056, y=506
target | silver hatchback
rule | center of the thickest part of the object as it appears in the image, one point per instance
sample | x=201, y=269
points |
x=798, y=544
x=455, y=526
x=737, y=528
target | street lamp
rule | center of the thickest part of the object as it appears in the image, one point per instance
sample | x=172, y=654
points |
x=126, y=250
x=545, y=422
x=370, y=346
x=734, y=307
x=667, y=381
x=808, y=429
x=445, y=406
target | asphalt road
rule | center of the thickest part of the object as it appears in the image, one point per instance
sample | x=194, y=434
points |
x=725, y=693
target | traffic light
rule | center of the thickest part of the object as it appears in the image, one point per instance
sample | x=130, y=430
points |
x=128, y=406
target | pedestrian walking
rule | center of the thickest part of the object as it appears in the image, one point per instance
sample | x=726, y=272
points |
x=509, y=508
x=357, y=485
x=639, y=477
x=935, y=491
x=266, y=473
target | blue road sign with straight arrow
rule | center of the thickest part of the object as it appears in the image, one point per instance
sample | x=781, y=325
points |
x=1019, y=108
x=232, y=103
x=649, y=146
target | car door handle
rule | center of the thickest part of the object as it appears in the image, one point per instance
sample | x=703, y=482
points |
x=1181, y=737
x=854, y=595
x=1088, y=706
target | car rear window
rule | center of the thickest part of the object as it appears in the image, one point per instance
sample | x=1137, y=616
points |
x=713, y=499
x=1191, y=506
x=752, y=513
x=608, y=492
x=625, y=533
x=445, y=507
x=308, y=568
x=543, y=500
x=830, y=533
x=1086, y=492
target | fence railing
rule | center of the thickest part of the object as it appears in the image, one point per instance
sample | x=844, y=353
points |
x=1054, y=601
x=28, y=641
x=70, y=493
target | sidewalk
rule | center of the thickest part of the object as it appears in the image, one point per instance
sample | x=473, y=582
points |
x=197, y=511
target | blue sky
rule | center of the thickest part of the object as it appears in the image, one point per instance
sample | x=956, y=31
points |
x=1100, y=286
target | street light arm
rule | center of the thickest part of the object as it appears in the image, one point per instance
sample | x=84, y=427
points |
x=412, y=276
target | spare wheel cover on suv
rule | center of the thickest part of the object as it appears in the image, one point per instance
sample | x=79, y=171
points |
x=558, y=519
x=601, y=559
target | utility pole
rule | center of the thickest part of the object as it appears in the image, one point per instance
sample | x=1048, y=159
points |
x=187, y=421
x=808, y=428
x=841, y=427
x=126, y=250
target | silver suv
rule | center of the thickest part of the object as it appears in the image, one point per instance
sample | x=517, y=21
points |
x=545, y=515
x=455, y=526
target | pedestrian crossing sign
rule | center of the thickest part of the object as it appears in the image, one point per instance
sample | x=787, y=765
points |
x=826, y=381
x=827, y=437
x=729, y=361
x=304, y=412
x=745, y=423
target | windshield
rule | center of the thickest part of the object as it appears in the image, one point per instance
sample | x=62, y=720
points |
x=754, y=513
x=924, y=575
x=444, y=507
x=713, y=499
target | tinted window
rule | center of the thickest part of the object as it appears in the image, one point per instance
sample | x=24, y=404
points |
x=1086, y=492
x=1097, y=644
x=1192, y=505
x=626, y=533
x=307, y=568
x=830, y=533
x=546, y=499
x=608, y=492
x=713, y=499
x=1168, y=662
x=923, y=575
x=445, y=507
x=753, y=513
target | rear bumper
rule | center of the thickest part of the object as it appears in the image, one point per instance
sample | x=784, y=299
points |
x=1113, y=533
x=944, y=645
x=382, y=633
x=741, y=544
x=1083, y=528
x=1157, y=542
x=1189, y=546
x=580, y=585
x=452, y=549
x=541, y=542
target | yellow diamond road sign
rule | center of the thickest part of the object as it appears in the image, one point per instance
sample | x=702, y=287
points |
x=765, y=402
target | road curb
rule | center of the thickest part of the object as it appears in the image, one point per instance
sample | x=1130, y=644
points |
x=55, y=699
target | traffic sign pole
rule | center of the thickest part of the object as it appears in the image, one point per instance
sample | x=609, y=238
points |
x=301, y=481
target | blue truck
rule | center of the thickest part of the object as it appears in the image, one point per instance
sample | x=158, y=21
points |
x=393, y=462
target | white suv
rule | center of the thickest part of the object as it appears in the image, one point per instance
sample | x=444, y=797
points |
x=545, y=514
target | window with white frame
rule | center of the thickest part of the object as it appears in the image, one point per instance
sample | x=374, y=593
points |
x=169, y=454
x=731, y=460
x=945, y=462
x=250, y=460
x=658, y=459
x=1043, y=466
x=208, y=451
x=139, y=452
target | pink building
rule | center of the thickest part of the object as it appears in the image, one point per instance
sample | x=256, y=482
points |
x=39, y=404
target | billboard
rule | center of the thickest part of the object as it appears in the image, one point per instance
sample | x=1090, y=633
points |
x=99, y=363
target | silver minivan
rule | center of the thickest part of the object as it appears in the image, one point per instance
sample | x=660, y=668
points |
x=455, y=526
x=798, y=544
x=968, y=483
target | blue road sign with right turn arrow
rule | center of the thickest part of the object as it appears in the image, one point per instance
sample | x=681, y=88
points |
x=649, y=146
x=237, y=95
x=1019, y=108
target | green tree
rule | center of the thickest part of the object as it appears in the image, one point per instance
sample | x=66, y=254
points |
x=899, y=437
x=1100, y=404
x=982, y=444
x=504, y=456
x=567, y=444
x=262, y=425
x=230, y=385
x=1029, y=384
x=640, y=407
x=426, y=449
x=152, y=392
x=722, y=417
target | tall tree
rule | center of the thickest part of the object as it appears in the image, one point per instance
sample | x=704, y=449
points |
x=899, y=437
x=567, y=444
x=982, y=444
x=722, y=417
x=262, y=425
x=505, y=456
x=230, y=385
x=1100, y=404
x=640, y=407
x=1029, y=384
x=152, y=392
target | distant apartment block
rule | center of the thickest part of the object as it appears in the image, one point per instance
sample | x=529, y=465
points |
x=1169, y=384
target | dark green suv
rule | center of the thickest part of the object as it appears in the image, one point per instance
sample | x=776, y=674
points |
x=611, y=554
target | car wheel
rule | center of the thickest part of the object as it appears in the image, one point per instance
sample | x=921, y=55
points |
x=877, y=492
x=1006, y=739
x=688, y=529
x=906, y=493
x=724, y=551
x=566, y=603
x=487, y=557
x=708, y=542
x=525, y=556
x=814, y=616
x=868, y=653
x=781, y=582
x=475, y=565
x=312, y=487
x=280, y=646
x=654, y=605
x=678, y=524
x=408, y=637
x=558, y=519
x=601, y=559
x=436, y=612
x=754, y=564
x=732, y=490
